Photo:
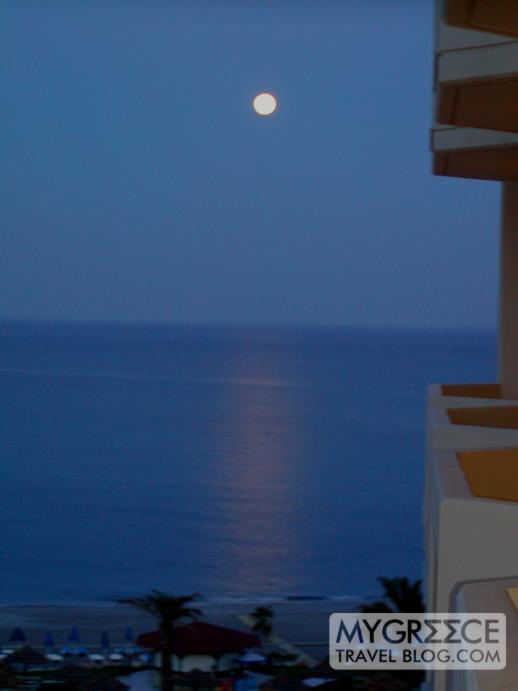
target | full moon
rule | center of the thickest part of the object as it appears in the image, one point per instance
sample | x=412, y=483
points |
x=264, y=104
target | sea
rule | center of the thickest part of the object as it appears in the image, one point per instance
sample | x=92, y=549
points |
x=242, y=463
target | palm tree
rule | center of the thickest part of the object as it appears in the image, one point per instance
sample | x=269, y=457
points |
x=376, y=607
x=403, y=595
x=262, y=617
x=170, y=611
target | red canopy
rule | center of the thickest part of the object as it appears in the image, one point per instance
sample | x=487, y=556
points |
x=200, y=638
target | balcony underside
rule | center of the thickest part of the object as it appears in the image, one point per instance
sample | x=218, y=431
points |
x=485, y=104
x=472, y=390
x=492, y=416
x=496, y=164
x=495, y=16
x=478, y=87
x=471, y=153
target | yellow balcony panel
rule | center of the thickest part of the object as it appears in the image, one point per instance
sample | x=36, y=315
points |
x=499, y=417
x=475, y=153
x=470, y=537
x=495, y=16
x=472, y=390
x=491, y=474
x=445, y=437
x=513, y=594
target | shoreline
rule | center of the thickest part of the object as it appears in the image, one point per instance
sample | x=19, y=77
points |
x=223, y=600
x=303, y=623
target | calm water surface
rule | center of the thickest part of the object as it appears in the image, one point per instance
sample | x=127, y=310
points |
x=234, y=461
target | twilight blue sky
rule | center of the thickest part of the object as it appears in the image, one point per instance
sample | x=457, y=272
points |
x=137, y=183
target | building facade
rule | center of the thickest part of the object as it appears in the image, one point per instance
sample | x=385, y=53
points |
x=471, y=476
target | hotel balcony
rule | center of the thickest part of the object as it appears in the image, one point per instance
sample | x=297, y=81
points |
x=473, y=427
x=499, y=595
x=476, y=78
x=452, y=431
x=471, y=474
x=467, y=152
x=495, y=16
x=452, y=425
x=473, y=520
x=445, y=396
x=460, y=417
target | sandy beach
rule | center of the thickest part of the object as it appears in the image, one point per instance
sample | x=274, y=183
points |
x=302, y=623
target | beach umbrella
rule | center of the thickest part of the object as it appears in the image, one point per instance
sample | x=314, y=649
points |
x=26, y=657
x=129, y=635
x=196, y=679
x=68, y=674
x=383, y=682
x=49, y=640
x=105, y=640
x=17, y=636
x=282, y=683
x=7, y=681
x=102, y=682
x=74, y=636
x=315, y=682
x=250, y=658
x=54, y=657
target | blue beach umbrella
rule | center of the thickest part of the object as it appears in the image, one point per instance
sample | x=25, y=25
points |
x=105, y=640
x=17, y=636
x=73, y=636
x=129, y=636
x=49, y=640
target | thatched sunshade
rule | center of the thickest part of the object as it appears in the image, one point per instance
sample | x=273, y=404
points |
x=7, y=681
x=384, y=682
x=68, y=674
x=324, y=670
x=26, y=656
x=196, y=679
x=102, y=682
x=286, y=683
